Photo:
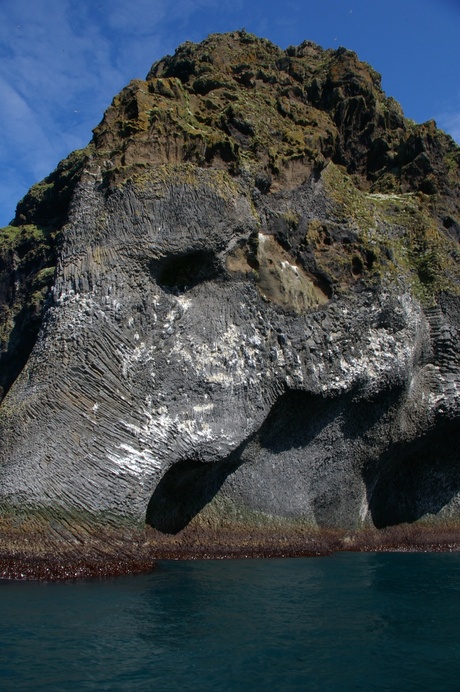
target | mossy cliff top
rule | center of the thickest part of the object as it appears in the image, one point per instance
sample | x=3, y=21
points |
x=239, y=102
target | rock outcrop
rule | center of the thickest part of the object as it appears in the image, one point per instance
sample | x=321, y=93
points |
x=230, y=324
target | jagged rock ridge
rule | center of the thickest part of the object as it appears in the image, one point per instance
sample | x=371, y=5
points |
x=231, y=322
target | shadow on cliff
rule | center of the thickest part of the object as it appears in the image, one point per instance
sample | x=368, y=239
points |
x=294, y=421
x=190, y=484
x=414, y=479
x=185, y=489
x=21, y=342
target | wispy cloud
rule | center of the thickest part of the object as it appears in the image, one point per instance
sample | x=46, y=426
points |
x=49, y=79
x=61, y=63
x=450, y=122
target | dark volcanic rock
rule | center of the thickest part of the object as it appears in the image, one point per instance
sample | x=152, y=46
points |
x=230, y=325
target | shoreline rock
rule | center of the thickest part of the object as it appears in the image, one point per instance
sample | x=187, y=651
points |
x=96, y=561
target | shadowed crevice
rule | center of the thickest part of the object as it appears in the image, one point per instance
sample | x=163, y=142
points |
x=182, y=272
x=416, y=478
x=184, y=490
x=21, y=342
x=297, y=417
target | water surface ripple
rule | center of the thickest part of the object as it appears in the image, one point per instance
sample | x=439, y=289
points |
x=347, y=622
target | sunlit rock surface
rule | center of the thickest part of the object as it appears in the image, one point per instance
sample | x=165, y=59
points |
x=230, y=325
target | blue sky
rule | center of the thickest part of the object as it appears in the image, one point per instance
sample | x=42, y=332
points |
x=62, y=61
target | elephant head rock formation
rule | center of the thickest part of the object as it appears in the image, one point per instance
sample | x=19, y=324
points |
x=230, y=324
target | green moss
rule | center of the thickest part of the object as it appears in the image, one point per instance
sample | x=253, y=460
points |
x=27, y=238
x=223, y=512
x=8, y=237
x=405, y=241
x=45, y=277
x=47, y=203
x=350, y=202
x=292, y=218
x=161, y=178
x=28, y=259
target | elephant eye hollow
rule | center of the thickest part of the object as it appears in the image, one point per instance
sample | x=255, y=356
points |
x=183, y=272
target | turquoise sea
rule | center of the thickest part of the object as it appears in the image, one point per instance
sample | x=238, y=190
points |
x=347, y=622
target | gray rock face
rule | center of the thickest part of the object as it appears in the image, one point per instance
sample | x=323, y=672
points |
x=166, y=383
x=197, y=371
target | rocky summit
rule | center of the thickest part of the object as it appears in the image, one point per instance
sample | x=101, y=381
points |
x=229, y=325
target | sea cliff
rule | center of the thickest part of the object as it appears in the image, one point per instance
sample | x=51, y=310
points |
x=229, y=326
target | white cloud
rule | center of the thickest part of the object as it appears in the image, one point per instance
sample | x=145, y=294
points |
x=450, y=122
x=58, y=73
x=61, y=63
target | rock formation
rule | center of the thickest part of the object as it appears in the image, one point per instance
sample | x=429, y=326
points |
x=230, y=324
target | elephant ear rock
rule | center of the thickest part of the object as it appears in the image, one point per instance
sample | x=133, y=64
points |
x=229, y=325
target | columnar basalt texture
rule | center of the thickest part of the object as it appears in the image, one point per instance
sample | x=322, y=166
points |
x=230, y=325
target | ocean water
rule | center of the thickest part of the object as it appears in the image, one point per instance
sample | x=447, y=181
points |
x=347, y=622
